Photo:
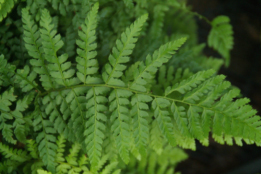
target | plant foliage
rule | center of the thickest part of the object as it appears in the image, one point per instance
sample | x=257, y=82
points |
x=109, y=79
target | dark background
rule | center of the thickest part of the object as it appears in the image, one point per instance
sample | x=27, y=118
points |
x=244, y=72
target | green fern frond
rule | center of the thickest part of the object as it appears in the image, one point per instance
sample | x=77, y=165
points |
x=146, y=72
x=5, y=7
x=220, y=37
x=72, y=106
x=120, y=53
x=25, y=78
x=45, y=138
x=162, y=116
x=33, y=45
x=32, y=148
x=14, y=154
x=70, y=42
x=58, y=67
x=158, y=21
x=61, y=5
x=87, y=65
x=7, y=114
x=139, y=112
x=156, y=138
x=187, y=84
x=95, y=125
x=120, y=120
x=128, y=3
x=7, y=72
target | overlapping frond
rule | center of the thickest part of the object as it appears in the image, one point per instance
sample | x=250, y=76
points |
x=220, y=37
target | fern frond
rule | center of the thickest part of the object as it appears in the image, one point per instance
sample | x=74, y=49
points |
x=120, y=121
x=14, y=154
x=70, y=42
x=108, y=169
x=7, y=72
x=16, y=114
x=139, y=112
x=58, y=67
x=87, y=65
x=128, y=3
x=95, y=125
x=187, y=84
x=61, y=5
x=33, y=46
x=9, y=166
x=5, y=7
x=45, y=138
x=121, y=52
x=25, y=78
x=51, y=103
x=163, y=118
x=220, y=37
x=146, y=72
x=158, y=21
x=32, y=148
x=156, y=137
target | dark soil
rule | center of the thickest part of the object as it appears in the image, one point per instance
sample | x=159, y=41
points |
x=244, y=72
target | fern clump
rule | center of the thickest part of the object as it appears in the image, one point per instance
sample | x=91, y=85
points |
x=117, y=92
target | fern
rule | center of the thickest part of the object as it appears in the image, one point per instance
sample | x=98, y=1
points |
x=121, y=90
x=220, y=36
x=5, y=7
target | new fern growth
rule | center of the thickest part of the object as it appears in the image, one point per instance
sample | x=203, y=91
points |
x=115, y=94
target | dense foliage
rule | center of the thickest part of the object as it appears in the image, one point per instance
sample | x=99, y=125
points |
x=124, y=82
